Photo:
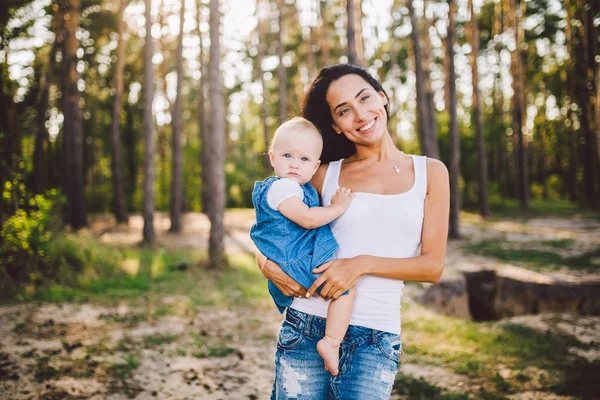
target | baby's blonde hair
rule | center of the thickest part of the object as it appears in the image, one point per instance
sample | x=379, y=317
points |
x=295, y=124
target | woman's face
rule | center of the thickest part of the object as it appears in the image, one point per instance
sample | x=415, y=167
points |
x=357, y=109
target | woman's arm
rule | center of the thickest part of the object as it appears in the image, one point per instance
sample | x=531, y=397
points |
x=275, y=274
x=342, y=274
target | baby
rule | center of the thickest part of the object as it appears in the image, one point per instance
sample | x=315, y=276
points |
x=292, y=230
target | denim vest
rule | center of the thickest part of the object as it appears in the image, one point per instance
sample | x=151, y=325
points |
x=297, y=250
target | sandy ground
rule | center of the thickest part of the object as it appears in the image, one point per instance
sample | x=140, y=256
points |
x=83, y=343
x=76, y=351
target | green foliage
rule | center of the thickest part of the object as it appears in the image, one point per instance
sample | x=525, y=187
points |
x=25, y=240
x=30, y=232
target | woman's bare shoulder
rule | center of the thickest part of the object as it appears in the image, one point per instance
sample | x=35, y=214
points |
x=319, y=177
x=437, y=173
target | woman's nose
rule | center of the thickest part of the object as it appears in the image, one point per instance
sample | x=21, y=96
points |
x=361, y=114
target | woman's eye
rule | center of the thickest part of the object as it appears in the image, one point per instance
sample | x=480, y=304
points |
x=344, y=111
x=364, y=98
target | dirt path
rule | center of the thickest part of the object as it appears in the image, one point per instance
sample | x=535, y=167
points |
x=85, y=351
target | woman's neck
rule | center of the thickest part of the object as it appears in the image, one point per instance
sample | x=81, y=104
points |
x=382, y=151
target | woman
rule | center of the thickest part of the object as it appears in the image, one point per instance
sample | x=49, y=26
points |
x=394, y=230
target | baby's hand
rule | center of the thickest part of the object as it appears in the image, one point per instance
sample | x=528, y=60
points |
x=342, y=197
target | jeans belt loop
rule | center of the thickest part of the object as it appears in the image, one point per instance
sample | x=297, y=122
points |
x=374, y=336
x=307, y=324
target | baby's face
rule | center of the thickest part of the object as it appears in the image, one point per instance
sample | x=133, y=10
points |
x=296, y=156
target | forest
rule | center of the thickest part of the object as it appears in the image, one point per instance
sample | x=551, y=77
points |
x=128, y=127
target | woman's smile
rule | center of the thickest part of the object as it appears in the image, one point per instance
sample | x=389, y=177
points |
x=368, y=127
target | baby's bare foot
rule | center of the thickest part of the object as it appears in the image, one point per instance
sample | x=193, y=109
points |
x=329, y=349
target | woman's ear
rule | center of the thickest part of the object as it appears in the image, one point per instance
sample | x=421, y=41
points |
x=383, y=97
x=336, y=129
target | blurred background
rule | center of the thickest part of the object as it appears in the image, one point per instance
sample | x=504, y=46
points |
x=131, y=135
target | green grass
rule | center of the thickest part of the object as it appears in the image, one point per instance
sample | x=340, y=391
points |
x=419, y=389
x=157, y=340
x=125, y=344
x=120, y=375
x=124, y=370
x=216, y=351
x=511, y=208
x=151, y=276
x=539, y=259
x=558, y=243
x=476, y=349
x=43, y=371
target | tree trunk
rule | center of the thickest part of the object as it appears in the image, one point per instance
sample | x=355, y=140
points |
x=584, y=61
x=426, y=52
x=571, y=178
x=477, y=117
x=429, y=146
x=72, y=128
x=454, y=133
x=597, y=127
x=310, y=56
x=203, y=109
x=130, y=144
x=10, y=141
x=323, y=34
x=354, y=34
x=543, y=152
x=594, y=50
x=177, y=158
x=446, y=75
x=351, y=32
x=164, y=147
x=518, y=102
x=283, y=111
x=215, y=161
x=149, y=146
x=117, y=159
x=597, y=112
x=262, y=43
x=41, y=137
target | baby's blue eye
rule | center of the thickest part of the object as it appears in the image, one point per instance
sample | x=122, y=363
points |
x=287, y=155
x=305, y=159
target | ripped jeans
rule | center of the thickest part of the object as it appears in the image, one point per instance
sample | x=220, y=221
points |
x=368, y=362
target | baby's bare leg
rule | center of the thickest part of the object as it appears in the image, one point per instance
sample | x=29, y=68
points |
x=338, y=319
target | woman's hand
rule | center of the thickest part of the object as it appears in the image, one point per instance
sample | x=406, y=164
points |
x=338, y=275
x=275, y=274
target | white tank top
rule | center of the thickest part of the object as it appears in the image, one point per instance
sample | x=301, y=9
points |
x=378, y=225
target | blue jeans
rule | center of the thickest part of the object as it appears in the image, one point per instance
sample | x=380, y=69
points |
x=368, y=362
